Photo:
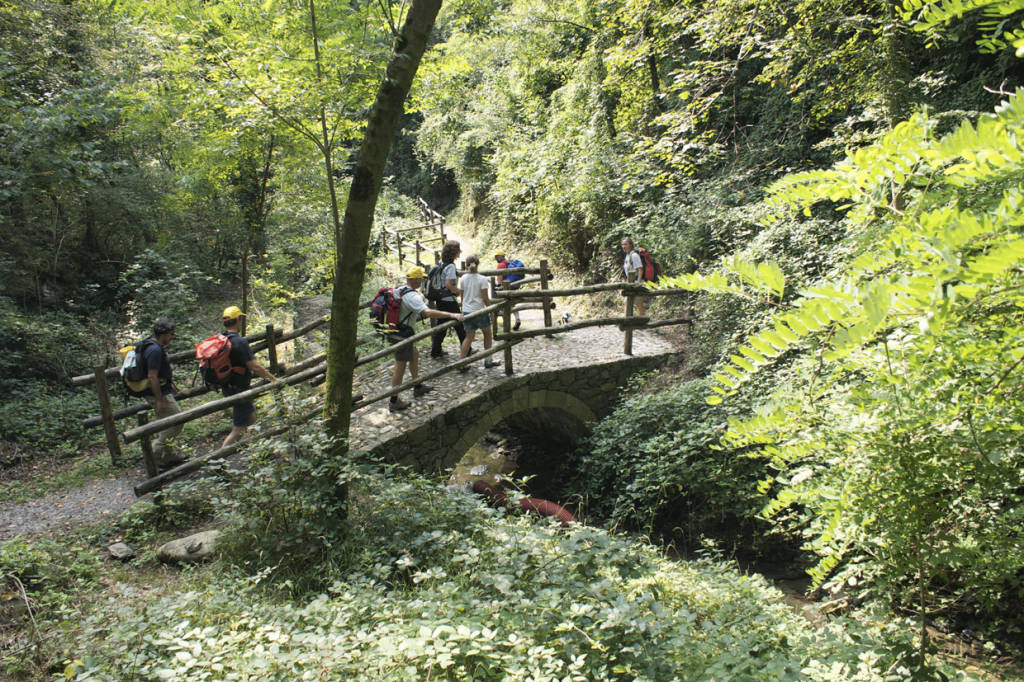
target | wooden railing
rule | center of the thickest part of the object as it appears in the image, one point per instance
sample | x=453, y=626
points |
x=410, y=244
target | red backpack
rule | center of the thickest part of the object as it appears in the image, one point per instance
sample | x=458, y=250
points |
x=385, y=309
x=214, y=355
x=651, y=270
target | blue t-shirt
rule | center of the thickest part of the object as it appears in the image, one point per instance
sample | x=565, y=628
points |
x=155, y=358
x=240, y=355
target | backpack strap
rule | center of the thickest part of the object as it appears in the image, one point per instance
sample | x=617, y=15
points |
x=402, y=291
x=237, y=369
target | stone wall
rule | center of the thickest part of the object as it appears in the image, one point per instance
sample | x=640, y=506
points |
x=564, y=400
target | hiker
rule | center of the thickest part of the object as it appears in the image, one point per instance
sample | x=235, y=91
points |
x=633, y=266
x=442, y=290
x=413, y=308
x=473, y=287
x=499, y=256
x=243, y=415
x=161, y=390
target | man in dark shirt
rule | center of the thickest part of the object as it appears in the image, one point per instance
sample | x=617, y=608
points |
x=161, y=390
x=243, y=415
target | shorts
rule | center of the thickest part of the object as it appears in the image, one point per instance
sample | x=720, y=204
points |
x=402, y=354
x=241, y=413
x=477, y=323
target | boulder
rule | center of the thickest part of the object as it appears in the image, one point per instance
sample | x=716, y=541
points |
x=121, y=551
x=190, y=550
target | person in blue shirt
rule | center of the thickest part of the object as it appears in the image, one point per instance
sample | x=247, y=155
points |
x=161, y=390
x=243, y=415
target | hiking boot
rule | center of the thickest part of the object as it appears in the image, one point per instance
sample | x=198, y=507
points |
x=515, y=327
x=398, y=405
x=490, y=363
x=422, y=389
x=439, y=355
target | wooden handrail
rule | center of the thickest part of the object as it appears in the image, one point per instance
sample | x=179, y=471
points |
x=132, y=435
x=561, y=329
x=626, y=288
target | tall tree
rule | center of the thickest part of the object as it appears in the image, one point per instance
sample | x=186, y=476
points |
x=354, y=236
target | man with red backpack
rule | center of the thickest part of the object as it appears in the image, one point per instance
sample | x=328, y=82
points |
x=243, y=366
x=639, y=266
x=412, y=308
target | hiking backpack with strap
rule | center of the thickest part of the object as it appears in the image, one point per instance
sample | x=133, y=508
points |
x=436, y=289
x=134, y=374
x=385, y=309
x=214, y=355
x=514, y=264
x=651, y=269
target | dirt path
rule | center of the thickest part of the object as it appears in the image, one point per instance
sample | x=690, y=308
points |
x=59, y=511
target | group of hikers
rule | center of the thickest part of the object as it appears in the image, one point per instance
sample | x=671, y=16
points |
x=441, y=303
x=159, y=388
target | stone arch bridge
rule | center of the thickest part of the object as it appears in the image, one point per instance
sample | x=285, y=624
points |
x=559, y=388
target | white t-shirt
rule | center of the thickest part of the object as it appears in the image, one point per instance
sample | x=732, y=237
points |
x=411, y=310
x=632, y=264
x=473, y=285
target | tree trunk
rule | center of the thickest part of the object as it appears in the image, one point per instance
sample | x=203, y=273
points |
x=351, y=244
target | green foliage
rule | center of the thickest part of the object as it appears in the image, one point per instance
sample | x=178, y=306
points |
x=443, y=587
x=653, y=466
x=155, y=287
x=288, y=514
x=901, y=452
x=49, y=572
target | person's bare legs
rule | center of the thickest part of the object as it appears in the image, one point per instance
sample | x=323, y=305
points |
x=238, y=432
x=468, y=342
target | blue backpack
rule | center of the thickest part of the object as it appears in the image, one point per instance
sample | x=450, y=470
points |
x=514, y=264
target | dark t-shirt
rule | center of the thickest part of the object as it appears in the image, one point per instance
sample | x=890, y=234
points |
x=155, y=358
x=240, y=355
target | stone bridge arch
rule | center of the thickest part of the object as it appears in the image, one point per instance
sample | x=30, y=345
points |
x=561, y=402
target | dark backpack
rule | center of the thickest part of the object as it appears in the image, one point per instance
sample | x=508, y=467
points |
x=514, y=264
x=651, y=270
x=436, y=290
x=385, y=309
x=134, y=373
x=214, y=355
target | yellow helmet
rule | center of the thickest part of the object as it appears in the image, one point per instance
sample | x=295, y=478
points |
x=416, y=272
x=499, y=253
x=232, y=312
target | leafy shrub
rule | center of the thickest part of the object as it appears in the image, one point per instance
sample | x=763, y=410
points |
x=287, y=515
x=443, y=588
x=653, y=466
x=46, y=568
x=155, y=287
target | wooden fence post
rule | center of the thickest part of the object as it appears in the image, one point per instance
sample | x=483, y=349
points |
x=418, y=250
x=628, y=332
x=272, y=348
x=507, y=325
x=398, y=243
x=107, y=414
x=546, y=302
x=147, y=449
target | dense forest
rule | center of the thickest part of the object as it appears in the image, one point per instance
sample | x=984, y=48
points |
x=838, y=186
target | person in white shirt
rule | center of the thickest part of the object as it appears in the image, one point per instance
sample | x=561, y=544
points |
x=413, y=309
x=473, y=287
x=633, y=267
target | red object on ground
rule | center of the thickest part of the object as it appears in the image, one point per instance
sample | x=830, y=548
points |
x=536, y=505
